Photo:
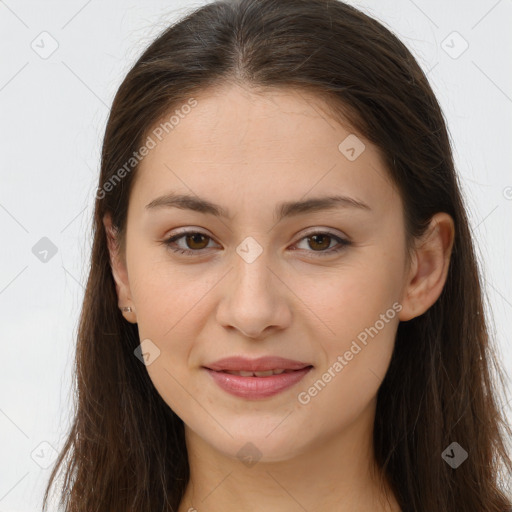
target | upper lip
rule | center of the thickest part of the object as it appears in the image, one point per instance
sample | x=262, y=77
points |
x=256, y=365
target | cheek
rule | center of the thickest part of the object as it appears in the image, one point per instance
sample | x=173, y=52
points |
x=172, y=304
x=363, y=318
x=362, y=313
x=167, y=294
x=354, y=299
x=357, y=359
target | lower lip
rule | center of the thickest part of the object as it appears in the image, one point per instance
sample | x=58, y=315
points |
x=257, y=387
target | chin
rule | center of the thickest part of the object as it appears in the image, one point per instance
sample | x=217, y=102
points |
x=257, y=444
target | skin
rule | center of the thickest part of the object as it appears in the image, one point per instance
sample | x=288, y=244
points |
x=248, y=151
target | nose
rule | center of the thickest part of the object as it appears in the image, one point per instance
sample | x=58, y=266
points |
x=255, y=299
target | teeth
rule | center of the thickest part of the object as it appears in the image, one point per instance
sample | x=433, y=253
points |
x=266, y=373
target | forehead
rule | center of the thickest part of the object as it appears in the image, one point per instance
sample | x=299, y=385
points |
x=271, y=143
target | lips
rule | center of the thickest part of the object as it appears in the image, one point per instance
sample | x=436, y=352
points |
x=254, y=379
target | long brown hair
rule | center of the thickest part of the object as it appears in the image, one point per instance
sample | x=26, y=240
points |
x=126, y=448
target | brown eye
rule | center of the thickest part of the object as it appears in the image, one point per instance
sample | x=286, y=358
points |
x=319, y=242
x=196, y=241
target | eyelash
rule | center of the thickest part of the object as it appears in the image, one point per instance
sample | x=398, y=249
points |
x=343, y=243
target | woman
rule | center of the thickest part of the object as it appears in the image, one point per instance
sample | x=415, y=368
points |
x=284, y=309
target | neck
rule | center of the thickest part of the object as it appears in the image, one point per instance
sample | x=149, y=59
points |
x=336, y=473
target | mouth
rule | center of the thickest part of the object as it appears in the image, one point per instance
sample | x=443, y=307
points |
x=258, y=367
x=257, y=379
x=266, y=373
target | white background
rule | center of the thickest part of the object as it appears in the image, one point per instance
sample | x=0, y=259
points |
x=52, y=119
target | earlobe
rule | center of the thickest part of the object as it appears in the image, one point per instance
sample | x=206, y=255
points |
x=429, y=271
x=119, y=271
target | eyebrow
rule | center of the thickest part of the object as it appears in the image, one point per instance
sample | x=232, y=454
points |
x=282, y=210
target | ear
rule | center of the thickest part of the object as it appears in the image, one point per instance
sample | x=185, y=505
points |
x=429, y=268
x=119, y=271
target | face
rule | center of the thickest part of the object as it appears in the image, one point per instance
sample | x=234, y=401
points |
x=318, y=284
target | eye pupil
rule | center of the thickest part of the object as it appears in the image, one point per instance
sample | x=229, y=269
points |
x=196, y=238
x=322, y=238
